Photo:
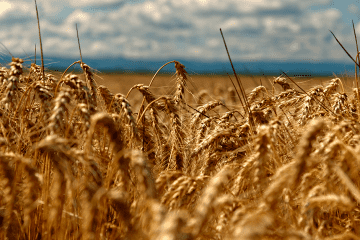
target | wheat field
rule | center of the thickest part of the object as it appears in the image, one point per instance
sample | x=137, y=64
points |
x=78, y=161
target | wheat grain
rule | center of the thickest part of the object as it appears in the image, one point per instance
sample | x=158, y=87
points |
x=180, y=82
x=282, y=82
x=57, y=119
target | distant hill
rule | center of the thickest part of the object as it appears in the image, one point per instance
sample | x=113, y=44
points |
x=294, y=68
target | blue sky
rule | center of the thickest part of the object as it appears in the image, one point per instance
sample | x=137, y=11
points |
x=276, y=30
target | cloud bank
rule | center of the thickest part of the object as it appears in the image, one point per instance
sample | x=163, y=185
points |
x=187, y=29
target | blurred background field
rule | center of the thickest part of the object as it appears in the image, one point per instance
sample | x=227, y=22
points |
x=218, y=86
x=163, y=82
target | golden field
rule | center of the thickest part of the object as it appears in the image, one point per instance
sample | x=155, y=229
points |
x=106, y=156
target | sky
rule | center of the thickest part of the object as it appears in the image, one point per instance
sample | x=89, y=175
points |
x=256, y=30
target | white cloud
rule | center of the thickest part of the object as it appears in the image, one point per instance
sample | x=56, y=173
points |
x=4, y=7
x=15, y=10
x=213, y=42
x=86, y=3
x=295, y=46
x=324, y=19
x=240, y=23
x=278, y=25
x=54, y=45
x=352, y=8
